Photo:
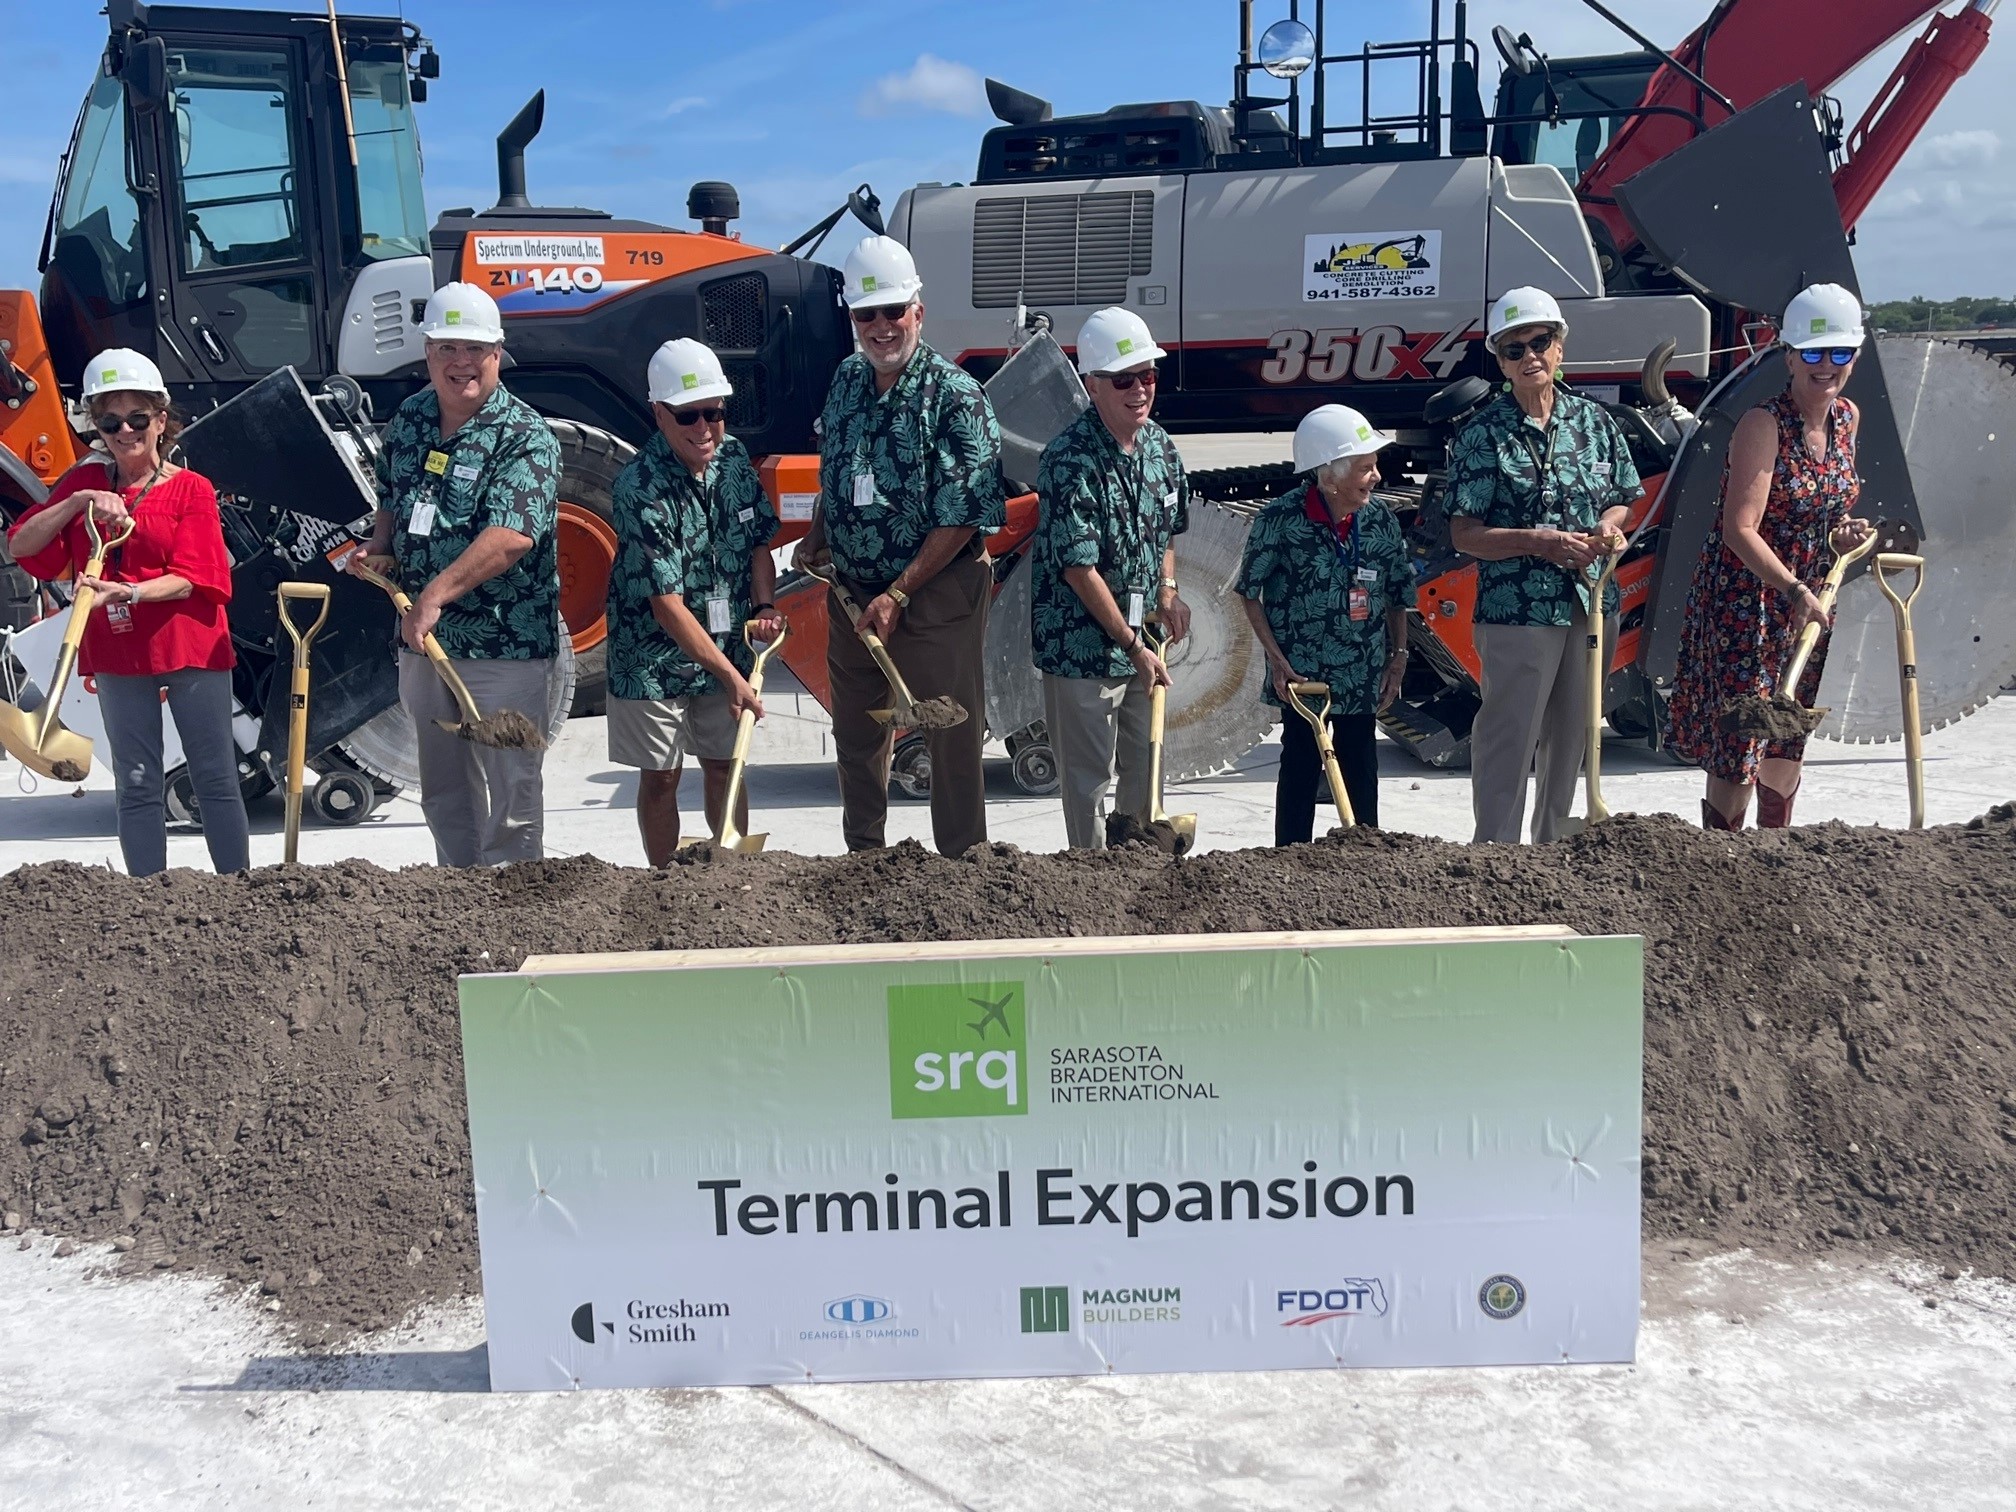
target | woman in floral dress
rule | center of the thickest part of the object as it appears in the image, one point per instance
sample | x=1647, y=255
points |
x=1787, y=493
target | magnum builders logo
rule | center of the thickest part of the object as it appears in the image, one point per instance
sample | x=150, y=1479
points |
x=958, y=1051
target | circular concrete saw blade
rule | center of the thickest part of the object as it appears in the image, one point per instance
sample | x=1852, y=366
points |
x=384, y=747
x=1215, y=715
x=1956, y=410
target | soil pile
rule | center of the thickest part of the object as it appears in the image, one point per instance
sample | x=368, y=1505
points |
x=260, y=1076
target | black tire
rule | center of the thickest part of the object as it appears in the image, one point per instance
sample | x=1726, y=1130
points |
x=341, y=799
x=590, y=459
x=910, y=768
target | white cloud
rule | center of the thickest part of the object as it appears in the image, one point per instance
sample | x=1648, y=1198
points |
x=1963, y=149
x=930, y=84
x=683, y=104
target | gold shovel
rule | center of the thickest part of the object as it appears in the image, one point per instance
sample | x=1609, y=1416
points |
x=297, y=712
x=1599, y=673
x=1907, y=669
x=730, y=837
x=908, y=713
x=39, y=741
x=1319, y=722
x=507, y=729
x=1174, y=833
x=1782, y=716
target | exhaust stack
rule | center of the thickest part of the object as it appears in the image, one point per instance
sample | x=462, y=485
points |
x=511, y=144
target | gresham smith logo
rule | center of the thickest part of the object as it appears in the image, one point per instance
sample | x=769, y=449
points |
x=958, y=1051
x=650, y=1322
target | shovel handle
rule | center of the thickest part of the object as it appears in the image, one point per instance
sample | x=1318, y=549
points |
x=1907, y=671
x=463, y=700
x=1829, y=591
x=309, y=593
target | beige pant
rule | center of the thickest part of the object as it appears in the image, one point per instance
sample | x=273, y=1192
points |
x=483, y=806
x=937, y=645
x=1535, y=718
x=1097, y=725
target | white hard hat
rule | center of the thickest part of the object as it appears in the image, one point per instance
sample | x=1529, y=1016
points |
x=1331, y=431
x=1113, y=340
x=1522, y=307
x=684, y=372
x=461, y=312
x=122, y=370
x=1822, y=315
x=880, y=271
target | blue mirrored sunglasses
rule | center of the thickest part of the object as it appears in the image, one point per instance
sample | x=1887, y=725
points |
x=1839, y=356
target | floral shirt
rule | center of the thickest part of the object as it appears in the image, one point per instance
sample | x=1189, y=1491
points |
x=1104, y=508
x=894, y=467
x=695, y=537
x=501, y=468
x=1511, y=474
x=1303, y=572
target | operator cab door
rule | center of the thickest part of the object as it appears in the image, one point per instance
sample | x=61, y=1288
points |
x=239, y=211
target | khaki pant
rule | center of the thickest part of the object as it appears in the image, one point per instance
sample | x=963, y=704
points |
x=1535, y=715
x=483, y=806
x=1097, y=725
x=937, y=645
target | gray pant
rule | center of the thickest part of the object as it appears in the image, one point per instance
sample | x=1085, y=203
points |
x=1097, y=725
x=1535, y=714
x=483, y=806
x=200, y=701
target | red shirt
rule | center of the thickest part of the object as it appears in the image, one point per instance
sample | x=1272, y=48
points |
x=1318, y=512
x=176, y=529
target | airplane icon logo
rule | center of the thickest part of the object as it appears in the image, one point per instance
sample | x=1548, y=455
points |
x=991, y=1013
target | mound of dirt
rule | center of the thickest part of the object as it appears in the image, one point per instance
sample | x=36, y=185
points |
x=259, y=1077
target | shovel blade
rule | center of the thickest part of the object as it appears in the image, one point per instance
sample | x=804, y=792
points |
x=41, y=743
x=748, y=845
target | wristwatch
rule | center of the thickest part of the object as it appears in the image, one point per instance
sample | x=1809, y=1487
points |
x=1170, y=584
x=902, y=598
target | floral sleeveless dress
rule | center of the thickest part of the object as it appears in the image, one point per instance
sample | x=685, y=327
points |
x=1738, y=632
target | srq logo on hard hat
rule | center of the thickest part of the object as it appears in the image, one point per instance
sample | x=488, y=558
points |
x=685, y=370
x=958, y=1050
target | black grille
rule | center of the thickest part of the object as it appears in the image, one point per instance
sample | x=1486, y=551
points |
x=731, y=313
x=749, y=405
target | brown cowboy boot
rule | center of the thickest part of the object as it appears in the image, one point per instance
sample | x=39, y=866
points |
x=1774, y=809
x=1713, y=818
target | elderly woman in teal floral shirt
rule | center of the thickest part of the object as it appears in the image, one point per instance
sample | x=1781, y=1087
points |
x=1539, y=483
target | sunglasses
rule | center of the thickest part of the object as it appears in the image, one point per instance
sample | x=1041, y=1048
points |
x=1512, y=351
x=1122, y=382
x=136, y=420
x=713, y=414
x=892, y=313
x=1839, y=356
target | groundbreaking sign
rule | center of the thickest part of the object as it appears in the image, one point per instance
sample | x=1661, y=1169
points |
x=1057, y=1157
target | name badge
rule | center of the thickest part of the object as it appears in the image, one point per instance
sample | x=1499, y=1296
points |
x=745, y=515
x=467, y=474
x=422, y=523
x=1361, y=604
x=717, y=616
x=1136, y=607
x=864, y=490
x=1169, y=500
x=437, y=463
x=1368, y=574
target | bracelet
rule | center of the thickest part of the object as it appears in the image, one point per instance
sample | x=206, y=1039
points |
x=132, y=594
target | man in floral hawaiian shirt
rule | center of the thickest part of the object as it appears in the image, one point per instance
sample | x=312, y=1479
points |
x=693, y=566
x=1113, y=499
x=909, y=484
x=1539, y=484
x=468, y=488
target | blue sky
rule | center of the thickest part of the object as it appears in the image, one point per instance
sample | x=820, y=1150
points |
x=796, y=101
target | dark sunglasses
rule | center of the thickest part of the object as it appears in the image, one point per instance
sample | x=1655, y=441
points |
x=1839, y=356
x=713, y=414
x=1512, y=351
x=892, y=313
x=137, y=420
x=1124, y=381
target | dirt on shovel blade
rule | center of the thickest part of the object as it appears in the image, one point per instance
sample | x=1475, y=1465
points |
x=259, y=1077
x=1160, y=834
x=67, y=771
x=934, y=714
x=1779, y=717
x=507, y=730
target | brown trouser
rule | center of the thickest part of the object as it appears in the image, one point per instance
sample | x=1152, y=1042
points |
x=937, y=646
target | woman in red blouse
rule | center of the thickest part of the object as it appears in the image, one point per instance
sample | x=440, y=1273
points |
x=158, y=624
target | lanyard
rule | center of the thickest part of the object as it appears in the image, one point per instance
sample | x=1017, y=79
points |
x=1544, y=463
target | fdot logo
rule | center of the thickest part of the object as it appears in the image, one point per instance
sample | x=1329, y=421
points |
x=858, y=1310
x=1352, y=1297
x=958, y=1051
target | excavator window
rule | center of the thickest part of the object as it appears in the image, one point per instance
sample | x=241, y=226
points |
x=233, y=114
x=97, y=241
x=391, y=215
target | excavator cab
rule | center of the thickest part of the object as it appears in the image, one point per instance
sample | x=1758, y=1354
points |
x=205, y=214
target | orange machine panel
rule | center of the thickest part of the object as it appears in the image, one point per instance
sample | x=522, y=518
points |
x=564, y=273
x=791, y=479
x=32, y=425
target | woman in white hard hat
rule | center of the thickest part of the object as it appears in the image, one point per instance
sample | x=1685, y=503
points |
x=1539, y=484
x=693, y=566
x=1325, y=582
x=1787, y=494
x=157, y=624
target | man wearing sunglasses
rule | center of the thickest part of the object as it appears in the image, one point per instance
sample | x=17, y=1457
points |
x=1113, y=499
x=468, y=502
x=909, y=485
x=1539, y=483
x=693, y=566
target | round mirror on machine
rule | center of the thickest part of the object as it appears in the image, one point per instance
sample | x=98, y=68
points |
x=1286, y=50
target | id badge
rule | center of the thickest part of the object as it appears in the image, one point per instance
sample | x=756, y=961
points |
x=422, y=522
x=1361, y=604
x=119, y=616
x=864, y=490
x=1137, y=604
x=717, y=616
